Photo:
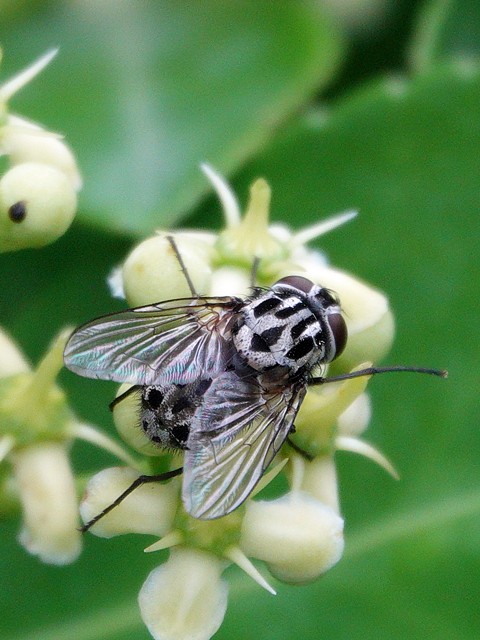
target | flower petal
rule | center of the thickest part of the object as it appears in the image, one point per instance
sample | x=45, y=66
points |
x=185, y=597
x=50, y=512
x=296, y=535
x=149, y=509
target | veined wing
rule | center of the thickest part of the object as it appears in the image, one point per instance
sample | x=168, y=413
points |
x=176, y=341
x=234, y=436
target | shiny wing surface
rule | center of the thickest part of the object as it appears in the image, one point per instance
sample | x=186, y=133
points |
x=176, y=341
x=233, y=438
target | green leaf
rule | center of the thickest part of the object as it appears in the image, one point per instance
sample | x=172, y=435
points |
x=406, y=154
x=446, y=30
x=150, y=90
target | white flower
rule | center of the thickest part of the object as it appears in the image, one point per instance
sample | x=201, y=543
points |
x=36, y=430
x=43, y=478
x=12, y=360
x=151, y=272
x=23, y=141
x=297, y=536
x=37, y=205
x=185, y=598
x=356, y=417
x=50, y=513
x=38, y=192
x=149, y=509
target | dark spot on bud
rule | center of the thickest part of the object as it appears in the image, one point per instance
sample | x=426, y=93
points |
x=18, y=211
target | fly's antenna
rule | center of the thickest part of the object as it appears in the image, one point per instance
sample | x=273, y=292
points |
x=183, y=268
x=161, y=477
x=370, y=371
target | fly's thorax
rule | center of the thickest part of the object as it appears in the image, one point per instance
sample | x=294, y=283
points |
x=295, y=324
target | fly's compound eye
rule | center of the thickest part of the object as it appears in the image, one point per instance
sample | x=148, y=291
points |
x=296, y=282
x=339, y=332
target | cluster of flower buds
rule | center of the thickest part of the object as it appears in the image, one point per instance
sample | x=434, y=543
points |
x=299, y=535
x=37, y=428
x=38, y=192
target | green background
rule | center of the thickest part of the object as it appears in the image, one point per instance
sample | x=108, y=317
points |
x=385, y=119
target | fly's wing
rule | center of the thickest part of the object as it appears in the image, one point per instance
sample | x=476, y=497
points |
x=234, y=436
x=177, y=341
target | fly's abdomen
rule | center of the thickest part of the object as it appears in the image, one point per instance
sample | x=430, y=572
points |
x=167, y=411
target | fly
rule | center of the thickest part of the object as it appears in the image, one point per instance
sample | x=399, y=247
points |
x=221, y=378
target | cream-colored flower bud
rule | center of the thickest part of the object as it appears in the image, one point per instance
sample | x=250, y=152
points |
x=320, y=481
x=47, y=492
x=316, y=420
x=23, y=142
x=12, y=360
x=126, y=416
x=369, y=319
x=366, y=311
x=148, y=509
x=296, y=535
x=354, y=420
x=37, y=205
x=152, y=272
x=230, y=281
x=185, y=597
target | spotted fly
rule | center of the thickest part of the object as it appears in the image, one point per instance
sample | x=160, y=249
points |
x=221, y=378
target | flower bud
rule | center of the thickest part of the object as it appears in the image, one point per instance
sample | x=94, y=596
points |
x=148, y=509
x=37, y=205
x=185, y=597
x=152, y=272
x=230, y=281
x=354, y=420
x=47, y=492
x=369, y=319
x=316, y=420
x=320, y=481
x=296, y=535
x=24, y=142
x=12, y=360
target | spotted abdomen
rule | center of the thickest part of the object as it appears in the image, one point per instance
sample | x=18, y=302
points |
x=167, y=411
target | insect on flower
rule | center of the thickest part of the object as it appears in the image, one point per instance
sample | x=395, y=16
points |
x=221, y=378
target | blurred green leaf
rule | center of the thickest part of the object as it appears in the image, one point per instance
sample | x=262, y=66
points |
x=446, y=30
x=150, y=90
x=406, y=154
